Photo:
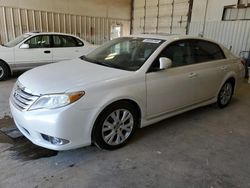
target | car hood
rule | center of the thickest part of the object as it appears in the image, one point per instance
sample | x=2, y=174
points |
x=3, y=48
x=66, y=75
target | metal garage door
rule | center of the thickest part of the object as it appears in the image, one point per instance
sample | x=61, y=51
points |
x=96, y=30
x=161, y=16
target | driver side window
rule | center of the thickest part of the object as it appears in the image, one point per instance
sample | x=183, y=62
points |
x=40, y=41
x=178, y=52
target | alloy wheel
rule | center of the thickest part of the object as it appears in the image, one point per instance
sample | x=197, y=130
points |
x=117, y=127
x=1, y=72
x=226, y=93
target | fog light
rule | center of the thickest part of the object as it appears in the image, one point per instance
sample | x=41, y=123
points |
x=54, y=140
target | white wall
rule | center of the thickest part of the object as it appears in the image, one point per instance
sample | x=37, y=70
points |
x=214, y=9
x=169, y=17
x=232, y=34
x=89, y=19
x=98, y=8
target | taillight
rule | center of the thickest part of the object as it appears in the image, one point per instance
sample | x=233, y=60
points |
x=243, y=62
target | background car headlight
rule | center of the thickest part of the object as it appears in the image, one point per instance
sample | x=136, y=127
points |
x=52, y=101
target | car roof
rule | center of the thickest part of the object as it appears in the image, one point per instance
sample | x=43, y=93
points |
x=167, y=37
x=48, y=33
x=171, y=37
x=155, y=36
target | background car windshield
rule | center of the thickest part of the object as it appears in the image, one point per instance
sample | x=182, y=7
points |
x=125, y=53
x=16, y=41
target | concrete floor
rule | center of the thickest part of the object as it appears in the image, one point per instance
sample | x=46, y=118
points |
x=207, y=147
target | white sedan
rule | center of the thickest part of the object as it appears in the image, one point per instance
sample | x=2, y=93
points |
x=125, y=84
x=34, y=49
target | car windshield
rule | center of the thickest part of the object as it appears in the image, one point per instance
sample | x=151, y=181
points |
x=16, y=41
x=127, y=53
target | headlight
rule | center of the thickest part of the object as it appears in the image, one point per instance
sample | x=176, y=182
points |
x=52, y=101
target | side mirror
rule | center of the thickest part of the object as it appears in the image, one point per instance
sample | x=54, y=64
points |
x=24, y=46
x=165, y=63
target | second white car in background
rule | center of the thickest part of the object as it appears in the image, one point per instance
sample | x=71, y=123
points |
x=34, y=49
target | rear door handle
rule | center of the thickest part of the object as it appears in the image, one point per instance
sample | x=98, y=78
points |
x=47, y=51
x=192, y=75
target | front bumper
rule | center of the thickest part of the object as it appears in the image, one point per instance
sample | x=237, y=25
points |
x=68, y=123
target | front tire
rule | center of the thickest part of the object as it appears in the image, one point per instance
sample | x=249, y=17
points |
x=225, y=94
x=115, y=125
x=4, y=71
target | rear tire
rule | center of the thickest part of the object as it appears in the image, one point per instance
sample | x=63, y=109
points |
x=225, y=94
x=115, y=125
x=4, y=71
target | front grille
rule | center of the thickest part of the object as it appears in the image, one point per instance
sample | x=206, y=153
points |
x=21, y=98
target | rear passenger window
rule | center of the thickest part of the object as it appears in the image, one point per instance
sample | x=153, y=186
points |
x=57, y=41
x=66, y=41
x=203, y=51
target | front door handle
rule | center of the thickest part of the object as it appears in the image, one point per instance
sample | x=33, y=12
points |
x=192, y=75
x=47, y=51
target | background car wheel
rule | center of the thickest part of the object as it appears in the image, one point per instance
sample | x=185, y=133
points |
x=4, y=71
x=225, y=94
x=115, y=125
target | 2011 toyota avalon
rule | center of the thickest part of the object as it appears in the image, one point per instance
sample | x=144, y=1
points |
x=125, y=84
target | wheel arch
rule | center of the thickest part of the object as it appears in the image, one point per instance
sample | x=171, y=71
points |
x=232, y=80
x=222, y=102
x=131, y=101
x=7, y=65
x=232, y=77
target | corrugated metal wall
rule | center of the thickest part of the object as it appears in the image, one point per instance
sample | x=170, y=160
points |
x=234, y=35
x=96, y=30
x=160, y=16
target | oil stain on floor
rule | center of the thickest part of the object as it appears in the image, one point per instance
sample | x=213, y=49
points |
x=22, y=148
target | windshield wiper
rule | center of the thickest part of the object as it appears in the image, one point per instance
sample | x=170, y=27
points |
x=90, y=60
x=100, y=63
x=83, y=57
